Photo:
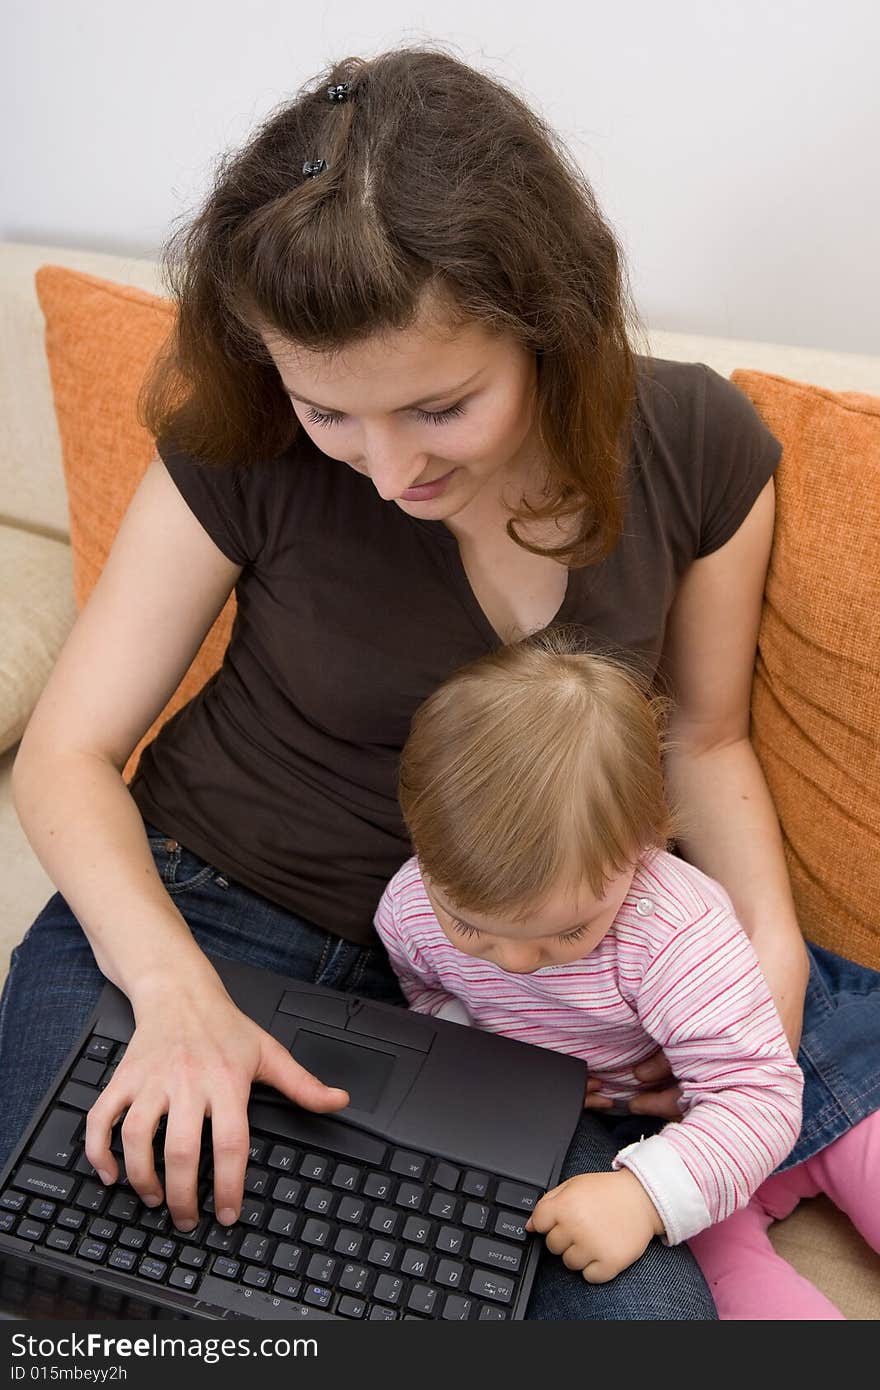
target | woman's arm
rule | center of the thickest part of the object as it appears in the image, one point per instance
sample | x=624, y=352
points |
x=731, y=831
x=192, y=1052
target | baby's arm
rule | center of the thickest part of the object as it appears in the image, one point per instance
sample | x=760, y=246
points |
x=423, y=991
x=704, y=1000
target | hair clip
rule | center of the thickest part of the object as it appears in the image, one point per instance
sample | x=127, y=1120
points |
x=314, y=166
x=339, y=92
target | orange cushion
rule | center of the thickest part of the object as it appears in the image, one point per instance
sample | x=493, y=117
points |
x=816, y=693
x=100, y=340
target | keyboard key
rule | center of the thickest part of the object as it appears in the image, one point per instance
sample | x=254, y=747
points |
x=131, y=1237
x=384, y=1221
x=259, y=1304
x=253, y=1212
x=103, y=1230
x=314, y=1167
x=186, y=1279
x=282, y=1157
x=152, y=1269
x=379, y=1186
x=55, y=1142
x=192, y=1258
x=496, y=1254
x=316, y=1232
x=349, y=1243
x=382, y=1252
x=411, y=1196
x=287, y=1190
x=162, y=1247
x=322, y=1269
x=355, y=1278
x=101, y=1049
x=507, y=1223
x=349, y=1307
x=321, y=1201
x=407, y=1164
x=13, y=1201
x=415, y=1262
x=446, y=1176
x=344, y=1175
x=287, y=1287
x=487, y=1284
x=256, y=1248
x=443, y=1206
x=89, y=1249
x=194, y=1237
x=88, y=1070
x=59, y=1239
x=257, y=1278
x=92, y=1196
x=475, y=1215
x=122, y=1259
x=256, y=1181
x=422, y=1299
x=156, y=1218
x=70, y=1218
x=457, y=1308
x=258, y=1149
x=7, y=1221
x=351, y=1210
x=511, y=1194
x=225, y=1268
x=317, y=1295
x=224, y=1238
x=378, y=1313
x=490, y=1314
x=416, y=1230
x=283, y=1222
x=45, y=1182
x=29, y=1229
x=449, y=1273
x=450, y=1240
x=123, y=1207
x=78, y=1096
x=287, y=1257
x=388, y=1288
x=475, y=1184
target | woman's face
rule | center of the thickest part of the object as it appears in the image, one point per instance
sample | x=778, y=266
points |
x=431, y=415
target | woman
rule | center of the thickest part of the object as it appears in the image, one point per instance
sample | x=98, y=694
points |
x=400, y=416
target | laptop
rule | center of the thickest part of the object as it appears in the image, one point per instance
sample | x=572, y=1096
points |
x=410, y=1203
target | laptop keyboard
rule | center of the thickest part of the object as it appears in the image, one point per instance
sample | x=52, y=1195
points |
x=355, y=1228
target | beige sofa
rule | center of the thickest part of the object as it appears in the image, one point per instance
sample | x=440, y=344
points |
x=36, y=611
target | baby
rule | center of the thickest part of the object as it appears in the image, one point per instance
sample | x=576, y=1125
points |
x=543, y=904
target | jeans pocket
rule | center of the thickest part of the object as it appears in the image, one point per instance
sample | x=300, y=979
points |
x=179, y=869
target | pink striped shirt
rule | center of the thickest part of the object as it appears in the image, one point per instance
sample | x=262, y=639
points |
x=677, y=970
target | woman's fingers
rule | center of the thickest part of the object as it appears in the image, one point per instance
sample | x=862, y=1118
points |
x=99, y=1127
x=183, y=1147
x=653, y=1070
x=231, y=1141
x=279, y=1069
x=138, y=1128
x=663, y=1103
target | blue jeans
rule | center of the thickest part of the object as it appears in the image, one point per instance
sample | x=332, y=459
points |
x=54, y=984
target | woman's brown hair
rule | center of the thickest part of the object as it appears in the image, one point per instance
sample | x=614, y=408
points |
x=437, y=177
x=540, y=764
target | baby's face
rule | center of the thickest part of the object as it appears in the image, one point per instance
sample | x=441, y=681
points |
x=564, y=927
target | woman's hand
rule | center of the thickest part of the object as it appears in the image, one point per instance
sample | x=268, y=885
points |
x=661, y=1097
x=193, y=1055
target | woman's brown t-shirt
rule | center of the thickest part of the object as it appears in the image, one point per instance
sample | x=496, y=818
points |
x=282, y=771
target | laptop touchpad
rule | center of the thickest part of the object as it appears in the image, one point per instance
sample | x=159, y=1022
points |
x=362, y=1071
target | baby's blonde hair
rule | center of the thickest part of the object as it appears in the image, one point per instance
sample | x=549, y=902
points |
x=537, y=766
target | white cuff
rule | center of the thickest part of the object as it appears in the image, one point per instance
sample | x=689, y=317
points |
x=454, y=1011
x=665, y=1177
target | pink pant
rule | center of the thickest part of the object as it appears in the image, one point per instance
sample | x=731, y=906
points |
x=748, y=1280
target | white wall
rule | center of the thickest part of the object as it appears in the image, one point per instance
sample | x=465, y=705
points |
x=734, y=146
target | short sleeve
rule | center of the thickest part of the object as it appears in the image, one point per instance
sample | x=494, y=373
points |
x=738, y=454
x=238, y=505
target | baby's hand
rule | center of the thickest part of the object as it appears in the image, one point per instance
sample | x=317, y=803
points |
x=598, y=1222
